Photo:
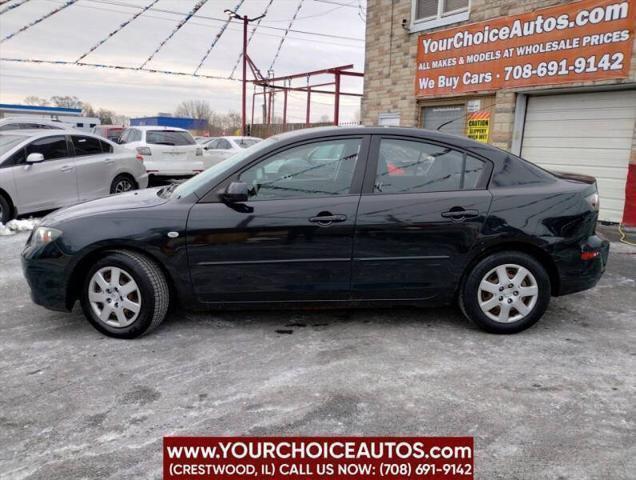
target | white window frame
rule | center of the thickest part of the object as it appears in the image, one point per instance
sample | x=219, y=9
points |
x=439, y=20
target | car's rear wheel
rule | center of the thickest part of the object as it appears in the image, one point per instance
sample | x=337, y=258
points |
x=506, y=292
x=5, y=210
x=125, y=295
x=123, y=183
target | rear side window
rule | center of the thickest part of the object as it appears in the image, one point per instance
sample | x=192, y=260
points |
x=514, y=172
x=106, y=147
x=86, y=146
x=169, y=137
x=406, y=166
x=50, y=147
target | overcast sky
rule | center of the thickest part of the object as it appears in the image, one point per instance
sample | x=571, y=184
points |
x=73, y=31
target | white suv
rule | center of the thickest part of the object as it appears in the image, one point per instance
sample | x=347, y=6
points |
x=166, y=151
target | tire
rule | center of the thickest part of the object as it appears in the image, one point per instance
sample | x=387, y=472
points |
x=5, y=210
x=123, y=183
x=150, y=299
x=482, y=286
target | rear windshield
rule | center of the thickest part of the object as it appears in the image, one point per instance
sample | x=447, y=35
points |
x=169, y=137
x=7, y=142
x=246, y=142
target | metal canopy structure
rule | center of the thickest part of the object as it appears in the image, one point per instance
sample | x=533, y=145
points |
x=272, y=85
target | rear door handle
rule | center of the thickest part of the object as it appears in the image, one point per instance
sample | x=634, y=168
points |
x=109, y=160
x=326, y=220
x=459, y=214
x=67, y=168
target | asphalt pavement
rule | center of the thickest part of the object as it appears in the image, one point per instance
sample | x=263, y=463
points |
x=554, y=402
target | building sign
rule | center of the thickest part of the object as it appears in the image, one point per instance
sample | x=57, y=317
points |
x=478, y=126
x=582, y=41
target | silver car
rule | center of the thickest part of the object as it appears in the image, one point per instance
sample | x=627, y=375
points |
x=48, y=169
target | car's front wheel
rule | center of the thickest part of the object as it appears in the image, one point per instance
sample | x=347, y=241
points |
x=5, y=210
x=122, y=183
x=506, y=292
x=125, y=295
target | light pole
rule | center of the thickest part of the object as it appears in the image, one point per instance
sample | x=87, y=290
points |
x=246, y=20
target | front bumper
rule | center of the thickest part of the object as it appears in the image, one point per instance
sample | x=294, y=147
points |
x=576, y=274
x=45, y=271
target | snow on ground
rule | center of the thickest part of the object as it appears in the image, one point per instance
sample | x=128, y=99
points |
x=15, y=226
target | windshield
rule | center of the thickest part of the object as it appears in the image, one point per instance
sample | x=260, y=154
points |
x=208, y=176
x=246, y=142
x=7, y=142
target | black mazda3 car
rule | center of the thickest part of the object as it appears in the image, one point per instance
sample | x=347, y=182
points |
x=329, y=217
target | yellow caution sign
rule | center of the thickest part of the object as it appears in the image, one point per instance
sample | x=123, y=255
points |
x=478, y=126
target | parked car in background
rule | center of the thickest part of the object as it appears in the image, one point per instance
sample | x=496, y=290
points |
x=30, y=123
x=47, y=169
x=202, y=140
x=166, y=151
x=220, y=148
x=331, y=216
x=111, y=132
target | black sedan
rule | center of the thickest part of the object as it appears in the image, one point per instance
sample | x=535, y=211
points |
x=329, y=217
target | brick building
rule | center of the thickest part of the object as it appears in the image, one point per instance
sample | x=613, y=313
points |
x=553, y=81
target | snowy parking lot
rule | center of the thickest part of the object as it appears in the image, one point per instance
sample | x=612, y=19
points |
x=556, y=401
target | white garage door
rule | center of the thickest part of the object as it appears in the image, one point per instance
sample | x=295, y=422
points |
x=589, y=133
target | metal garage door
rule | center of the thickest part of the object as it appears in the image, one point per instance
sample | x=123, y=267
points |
x=589, y=133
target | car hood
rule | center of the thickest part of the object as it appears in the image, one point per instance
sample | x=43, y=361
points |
x=124, y=201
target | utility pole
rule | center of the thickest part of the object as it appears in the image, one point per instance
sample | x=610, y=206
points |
x=246, y=20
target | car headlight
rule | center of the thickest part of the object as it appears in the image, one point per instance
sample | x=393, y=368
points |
x=45, y=235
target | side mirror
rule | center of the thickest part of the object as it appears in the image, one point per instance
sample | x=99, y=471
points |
x=236, y=192
x=205, y=148
x=35, y=158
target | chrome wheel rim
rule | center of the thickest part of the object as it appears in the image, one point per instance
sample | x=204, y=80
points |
x=508, y=293
x=123, y=186
x=114, y=297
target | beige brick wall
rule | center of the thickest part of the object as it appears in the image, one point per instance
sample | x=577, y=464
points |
x=389, y=84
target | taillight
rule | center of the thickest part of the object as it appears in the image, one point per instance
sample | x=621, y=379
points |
x=199, y=152
x=590, y=255
x=594, y=201
x=139, y=157
x=144, y=151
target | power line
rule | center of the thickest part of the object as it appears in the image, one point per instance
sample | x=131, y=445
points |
x=42, y=18
x=216, y=39
x=196, y=7
x=11, y=7
x=282, y=40
x=112, y=67
x=114, y=32
x=249, y=40
x=216, y=19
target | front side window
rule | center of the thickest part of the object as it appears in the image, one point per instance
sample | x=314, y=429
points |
x=310, y=170
x=169, y=137
x=406, y=166
x=223, y=144
x=86, y=145
x=125, y=135
x=50, y=147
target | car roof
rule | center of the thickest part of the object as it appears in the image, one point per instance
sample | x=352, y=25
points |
x=151, y=127
x=40, y=133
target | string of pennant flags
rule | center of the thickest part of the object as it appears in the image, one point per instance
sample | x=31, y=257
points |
x=217, y=37
x=282, y=40
x=112, y=67
x=41, y=19
x=116, y=31
x=11, y=7
x=190, y=14
x=249, y=40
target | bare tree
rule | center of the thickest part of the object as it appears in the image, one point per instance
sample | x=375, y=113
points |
x=66, y=102
x=199, y=109
x=105, y=116
x=33, y=100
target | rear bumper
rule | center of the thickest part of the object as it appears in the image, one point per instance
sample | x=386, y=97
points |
x=576, y=274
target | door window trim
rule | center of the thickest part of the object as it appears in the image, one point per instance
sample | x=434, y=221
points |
x=212, y=196
x=373, y=158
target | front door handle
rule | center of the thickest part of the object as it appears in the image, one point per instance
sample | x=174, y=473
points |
x=67, y=168
x=460, y=213
x=109, y=161
x=326, y=220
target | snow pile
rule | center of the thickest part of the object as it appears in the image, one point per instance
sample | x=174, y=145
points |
x=15, y=226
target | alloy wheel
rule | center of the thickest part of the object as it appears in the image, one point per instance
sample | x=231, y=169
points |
x=123, y=185
x=114, y=297
x=508, y=293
